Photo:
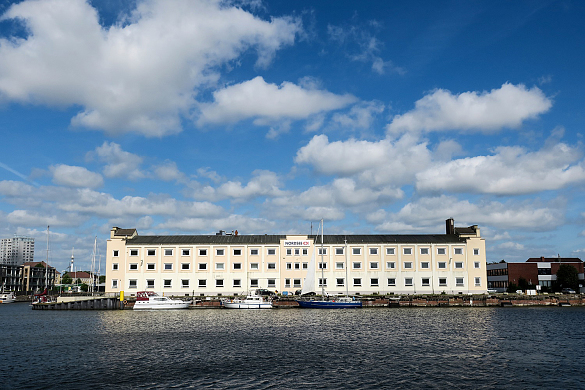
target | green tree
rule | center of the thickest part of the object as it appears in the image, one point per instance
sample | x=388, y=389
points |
x=66, y=279
x=78, y=281
x=512, y=287
x=102, y=278
x=567, y=277
x=84, y=287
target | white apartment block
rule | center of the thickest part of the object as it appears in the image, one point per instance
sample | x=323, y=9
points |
x=220, y=265
x=17, y=250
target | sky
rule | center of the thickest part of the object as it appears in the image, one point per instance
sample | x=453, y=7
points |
x=379, y=117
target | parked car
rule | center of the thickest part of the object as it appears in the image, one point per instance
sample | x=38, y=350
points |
x=568, y=291
x=263, y=291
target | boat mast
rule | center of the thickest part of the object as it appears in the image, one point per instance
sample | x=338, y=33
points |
x=47, y=263
x=93, y=266
x=346, y=280
x=322, y=277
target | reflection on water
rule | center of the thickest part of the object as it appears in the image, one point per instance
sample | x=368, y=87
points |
x=293, y=348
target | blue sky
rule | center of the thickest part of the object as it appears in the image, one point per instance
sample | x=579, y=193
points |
x=186, y=117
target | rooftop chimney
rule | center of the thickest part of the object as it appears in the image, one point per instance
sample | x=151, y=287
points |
x=450, y=226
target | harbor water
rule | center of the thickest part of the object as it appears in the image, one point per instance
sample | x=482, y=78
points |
x=404, y=348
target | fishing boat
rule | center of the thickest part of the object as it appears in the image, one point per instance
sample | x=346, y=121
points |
x=250, y=302
x=148, y=300
x=325, y=302
x=7, y=297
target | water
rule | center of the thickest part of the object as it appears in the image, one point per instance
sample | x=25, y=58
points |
x=437, y=348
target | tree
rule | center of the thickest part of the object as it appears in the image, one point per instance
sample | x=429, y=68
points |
x=78, y=281
x=84, y=287
x=102, y=279
x=512, y=287
x=66, y=279
x=567, y=277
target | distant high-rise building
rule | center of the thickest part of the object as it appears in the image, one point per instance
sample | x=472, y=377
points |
x=17, y=250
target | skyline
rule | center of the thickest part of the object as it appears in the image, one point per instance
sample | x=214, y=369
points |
x=190, y=117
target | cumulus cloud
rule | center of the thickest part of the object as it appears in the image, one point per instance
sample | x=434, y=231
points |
x=119, y=163
x=138, y=75
x=35, y=218
x=73, y=176
x=510, y=171
x=263, y=183
x=360, y=116
x=168, y=171
x=488, y=112
x=269, y=102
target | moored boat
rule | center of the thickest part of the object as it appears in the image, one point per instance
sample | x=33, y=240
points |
x=250, y=302
x=338, y=303
x=148, y=300
x=7, y=297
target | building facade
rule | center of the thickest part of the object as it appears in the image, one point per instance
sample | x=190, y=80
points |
x=216, y=265
x=36, y=276
x=17, y=250
x=536, y=271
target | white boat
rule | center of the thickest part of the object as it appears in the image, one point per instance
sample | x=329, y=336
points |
x=250, y=302
x=148, y=300
x=7, y=297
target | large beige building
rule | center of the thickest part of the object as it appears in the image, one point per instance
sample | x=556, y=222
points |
x=216, y=265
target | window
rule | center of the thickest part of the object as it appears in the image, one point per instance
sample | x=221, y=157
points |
x=357, y=265
x=219, y=252
x=218, y=282
x=296, y=282
x=271, y=251
x=202, y=266
x=254, y=266
x=202, y=283
x=305, y=251
x=115, y=253
x=424, y=251
x=168, y=266
x=407, y=251
x=459, y=264
x=391, y=265
x=167, y=283
x=185, y=283
x=288, y=265
x=373, y=251
x=356, y=251
x=442, y=265
x=374, y=282
x=186, y=252
x=443, y=282
x=476, y=252
x=271, y=282
x=114, y=266
x=476, y=264
x=322, y=265
x=202, y=252
x=254, y=283
x=289, y=252
x=185, y=266
x=168, y=252
x=271, y=265
x=237, y=283
x=237, y=265
x=373, y=265
x=459, y=282
x=149, y=283
x=339, y=251
x=219, y=266
x=426, y=282
x=114, y=283
x=132, y=283
x=133, y=252
x=424, y=265
x=237, y=252
x=407, y=264
x=441, y=251
x=340, y=282
x=322, y=282
x=322, y=251
x=151, y=252
x=254, y=252
x=133, y=266
x=389, y=251
x=286, y=282
x=297, y=265
x=408, y=281
x=458, y=251
x=297, y=251
x=391, y=282
x=150, y=266
x=357, y=282
x=339, y=265
x=305, y=265
x=477, y=282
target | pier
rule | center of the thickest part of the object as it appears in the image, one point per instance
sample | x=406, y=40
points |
x=88, y=303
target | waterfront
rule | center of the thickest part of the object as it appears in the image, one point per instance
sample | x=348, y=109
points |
x=522, y=347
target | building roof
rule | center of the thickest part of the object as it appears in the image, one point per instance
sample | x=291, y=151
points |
x=35, y=263
x=276, y=238
x=124, y=232
x=79, y=275
x=554, y=260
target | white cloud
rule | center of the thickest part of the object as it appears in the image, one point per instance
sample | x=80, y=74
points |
x=168, y=171
x=511, y=246
x=360, y=116
x=139, y=75
x=73, y=176
x=269, y=102
x=489, y=112
x=119, y=163
x=263, y=183
x=510, y=171
x=35, y=218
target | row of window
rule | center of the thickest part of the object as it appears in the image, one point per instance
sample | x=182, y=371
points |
x=297, y=251
x=339, y=282
x=297, y=266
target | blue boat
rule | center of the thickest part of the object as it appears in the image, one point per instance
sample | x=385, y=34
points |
x=341, y=303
